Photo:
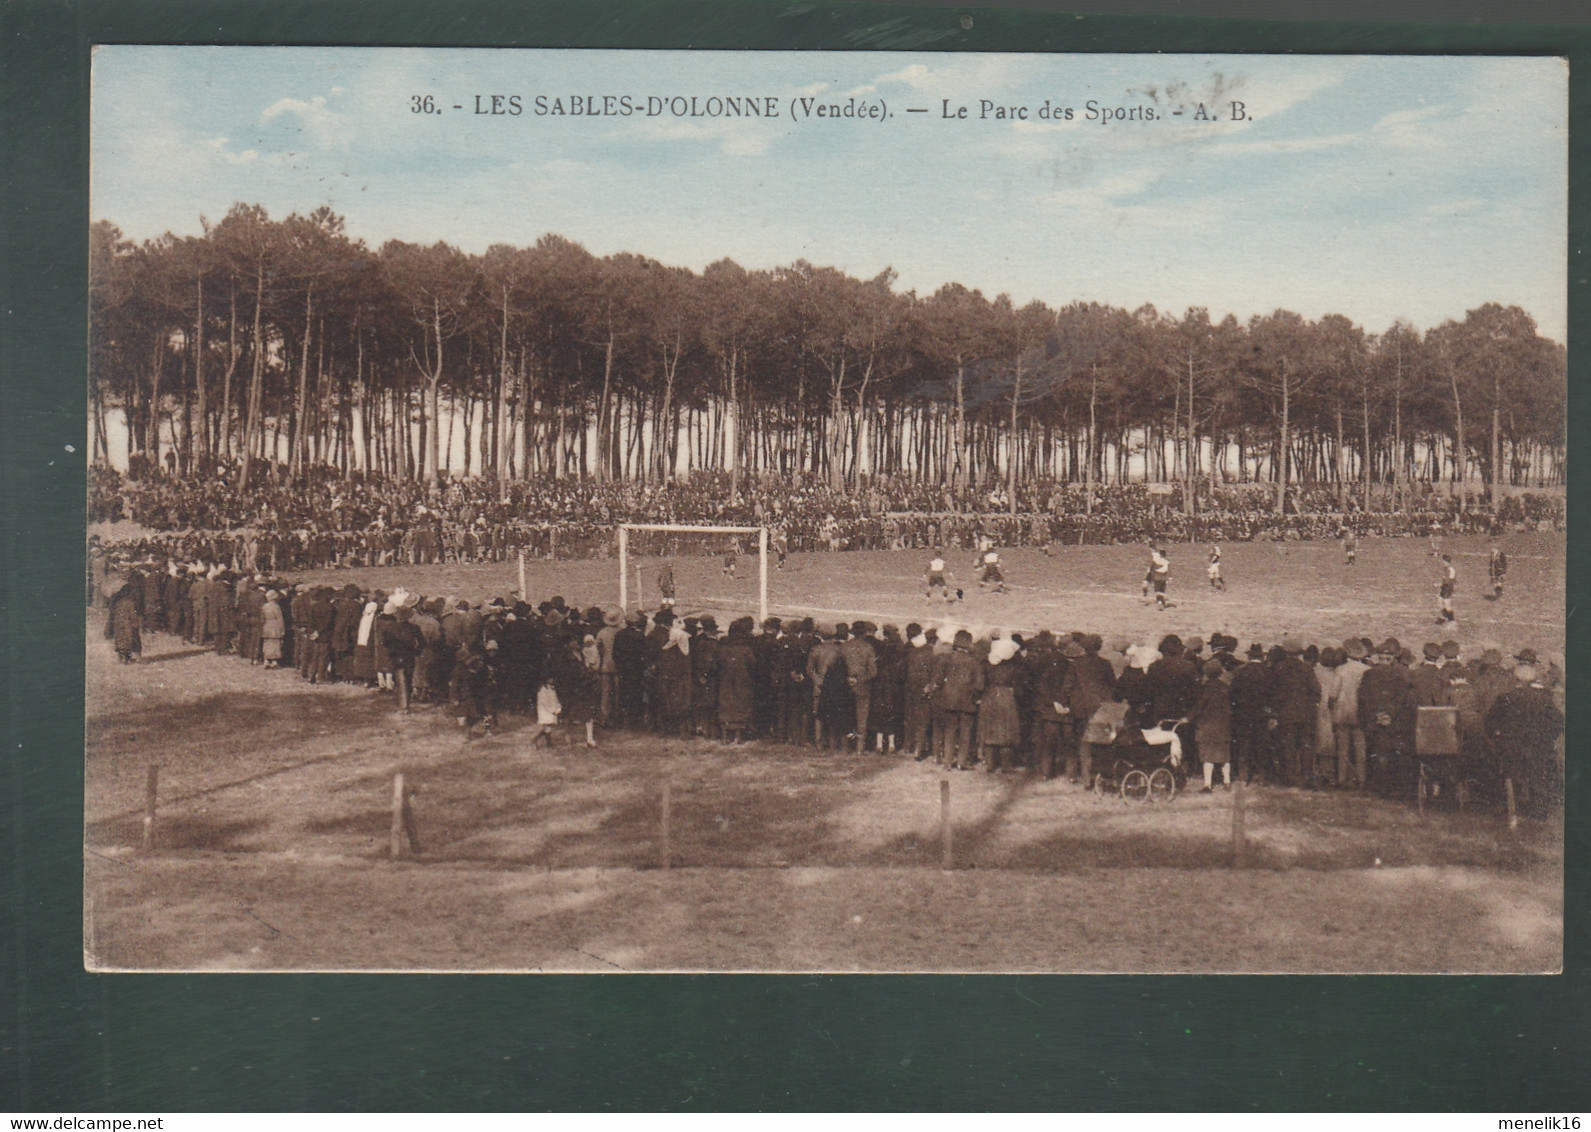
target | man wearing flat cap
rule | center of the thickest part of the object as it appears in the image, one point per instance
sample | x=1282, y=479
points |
x=958, y=682
x=861, y=666
x=1427, y=680
x=1346, y=732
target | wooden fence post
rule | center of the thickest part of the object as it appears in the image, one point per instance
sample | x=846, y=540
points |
x=1239, y=839
x=947, y=857
x=668, y=800
x=151, y=793
x=395, y=847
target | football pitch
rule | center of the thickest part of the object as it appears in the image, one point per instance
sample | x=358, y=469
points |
x=271, y=840
x=1273, y=589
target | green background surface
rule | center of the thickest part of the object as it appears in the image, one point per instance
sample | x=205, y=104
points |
x=74, y=1042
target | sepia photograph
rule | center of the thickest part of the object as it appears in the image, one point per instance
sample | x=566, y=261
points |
x=616, y=511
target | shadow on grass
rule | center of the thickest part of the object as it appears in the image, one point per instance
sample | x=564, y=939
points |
x=167, y=657
x=178, y=832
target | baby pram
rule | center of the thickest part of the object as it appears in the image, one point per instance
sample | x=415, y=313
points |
x=1145, y=763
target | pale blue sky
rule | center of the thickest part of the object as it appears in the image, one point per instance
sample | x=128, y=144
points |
x=1375, y=187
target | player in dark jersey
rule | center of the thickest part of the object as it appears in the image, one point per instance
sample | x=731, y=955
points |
x=1497, y=570
x=1445, y=591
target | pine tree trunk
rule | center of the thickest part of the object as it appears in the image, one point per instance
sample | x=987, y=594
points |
x=252, y=421
x=1282, y=445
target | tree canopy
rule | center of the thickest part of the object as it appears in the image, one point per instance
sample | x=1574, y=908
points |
x=288, y=342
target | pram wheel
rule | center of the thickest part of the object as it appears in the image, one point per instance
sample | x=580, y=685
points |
x=1135, y=786
x=1162, y=785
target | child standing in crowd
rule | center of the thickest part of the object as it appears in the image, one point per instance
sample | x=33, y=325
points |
x=548, y=711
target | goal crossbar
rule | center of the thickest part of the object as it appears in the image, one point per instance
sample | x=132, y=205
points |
x=687, y=528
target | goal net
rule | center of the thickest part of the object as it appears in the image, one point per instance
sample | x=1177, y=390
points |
x=695, y=567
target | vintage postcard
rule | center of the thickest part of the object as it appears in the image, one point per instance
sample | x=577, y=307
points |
x=754, y=511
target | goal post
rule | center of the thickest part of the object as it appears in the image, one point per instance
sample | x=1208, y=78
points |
x=686, y=528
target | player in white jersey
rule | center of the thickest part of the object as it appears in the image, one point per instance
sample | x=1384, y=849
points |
x=937, y=578
x=1445, y=590
x=989, y=572
x=1213, y=570
x=1159, y=575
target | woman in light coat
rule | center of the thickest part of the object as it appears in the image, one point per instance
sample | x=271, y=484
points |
x=273, y=629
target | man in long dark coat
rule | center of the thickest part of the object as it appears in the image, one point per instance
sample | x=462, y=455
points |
x=629, y=662
x=958, y=682
x=1051, y=732
x=1523, y=725
x=1251, y=695
x=349, y=608
x=223, y=613
x=1387, y=717
x=1090, y=681
x=861, y=667
x=917, y=694
x=174, y=593
x=704, y=674
x=1294, y=696
x=154, y=611
x=888, y=691
x=799, y=699
x=768, y=685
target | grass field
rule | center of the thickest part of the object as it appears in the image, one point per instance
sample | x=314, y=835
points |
x=1272, y=589
x=270, y=850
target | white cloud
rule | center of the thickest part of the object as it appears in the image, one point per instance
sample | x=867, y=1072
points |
x=1283, y=145
x=218, y=147
x=735, y=137
x=324, y=125
x=916, y=76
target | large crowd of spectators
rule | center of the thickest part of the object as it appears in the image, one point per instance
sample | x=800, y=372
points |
x=1289, y=712
x=326, y=519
